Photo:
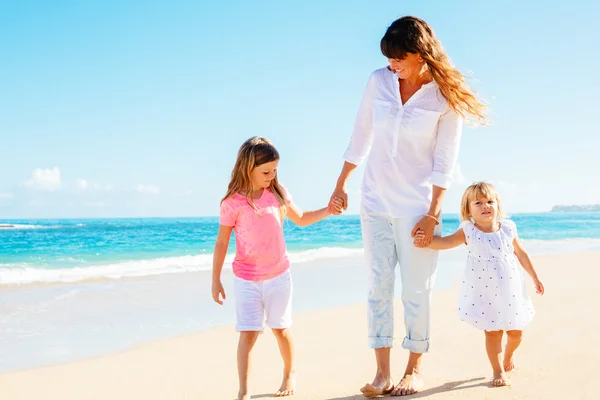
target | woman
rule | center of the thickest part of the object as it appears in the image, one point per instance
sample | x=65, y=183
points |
x=409, y=124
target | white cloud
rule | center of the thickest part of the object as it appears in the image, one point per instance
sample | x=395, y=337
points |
x=81, y=184
x=6, y=195
x=44, y=179
x=147, y=189
x=84, y=184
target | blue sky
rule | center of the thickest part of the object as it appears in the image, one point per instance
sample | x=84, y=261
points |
x=137, y=108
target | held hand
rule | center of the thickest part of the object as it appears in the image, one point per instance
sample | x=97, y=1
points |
x=539, y=286
x=427, y=226
x=340, y=193
x=419, y=236
x=335, y=206
x=218, y=292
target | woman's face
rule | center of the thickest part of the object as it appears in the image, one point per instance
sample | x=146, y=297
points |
x=411, y=65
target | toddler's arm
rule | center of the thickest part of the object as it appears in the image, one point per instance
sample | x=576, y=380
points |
x=527, y=265
x=445, y=242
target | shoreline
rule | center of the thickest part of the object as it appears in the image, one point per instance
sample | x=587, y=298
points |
x=189, y=263
x=334, y=361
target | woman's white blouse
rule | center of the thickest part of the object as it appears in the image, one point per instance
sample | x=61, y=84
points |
x=410, y=147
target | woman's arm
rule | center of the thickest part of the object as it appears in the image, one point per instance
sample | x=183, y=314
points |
x=340, y=190
x=445, y=152
x=445, y=155
x=360, y=142
x=427, y=224
x=437, y=198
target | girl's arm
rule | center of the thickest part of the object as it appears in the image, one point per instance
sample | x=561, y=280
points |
x=218, y=260
x=304, y=218
x=527, y=265
x=443, y=243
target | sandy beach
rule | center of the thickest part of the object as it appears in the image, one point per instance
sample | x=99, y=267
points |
x=555, y=361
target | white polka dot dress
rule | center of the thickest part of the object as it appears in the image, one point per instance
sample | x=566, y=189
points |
x=493, y=294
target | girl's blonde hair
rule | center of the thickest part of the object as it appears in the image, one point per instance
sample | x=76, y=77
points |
x=479, y=190
x=413, y=35
x=254, y=152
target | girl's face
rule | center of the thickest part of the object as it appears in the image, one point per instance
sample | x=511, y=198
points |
x=262, y=175
x=483, y=210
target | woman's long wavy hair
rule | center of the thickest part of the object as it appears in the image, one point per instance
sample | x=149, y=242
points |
x=254, y=152
x=413, y=35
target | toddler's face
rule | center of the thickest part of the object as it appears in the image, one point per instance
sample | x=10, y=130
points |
x=263, y=174
x=483, y=210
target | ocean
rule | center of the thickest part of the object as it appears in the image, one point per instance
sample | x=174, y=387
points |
x=44, y=251
x=71, y=289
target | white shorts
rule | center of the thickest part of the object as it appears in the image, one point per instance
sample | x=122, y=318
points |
x=255, y=300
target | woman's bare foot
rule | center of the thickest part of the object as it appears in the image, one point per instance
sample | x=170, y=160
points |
x=243, y=396
x=509, y=364
x=288, y=386
x=500, y=379
x=380, y=386
x=410, y=384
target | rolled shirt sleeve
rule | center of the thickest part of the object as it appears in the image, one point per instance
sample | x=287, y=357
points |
x=362, y=137
x=446, y=148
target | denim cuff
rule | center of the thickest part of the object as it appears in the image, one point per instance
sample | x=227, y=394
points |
x=378, y=342
x=416, y=346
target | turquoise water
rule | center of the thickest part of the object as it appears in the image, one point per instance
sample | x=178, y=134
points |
x=79, y=249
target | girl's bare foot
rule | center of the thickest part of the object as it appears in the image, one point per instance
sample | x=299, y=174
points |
x=509, y=364
x=500, y=379
x=410, y=384
x=288, y=386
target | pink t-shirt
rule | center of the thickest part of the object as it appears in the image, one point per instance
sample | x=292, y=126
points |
x=260, y=247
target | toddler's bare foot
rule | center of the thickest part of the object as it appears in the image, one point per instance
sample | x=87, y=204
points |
x=500, y=379
x=410, y=384
x=288, y=386
x=509, y=364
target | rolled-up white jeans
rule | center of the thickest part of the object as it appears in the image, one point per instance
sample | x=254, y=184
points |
x=388, y=243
